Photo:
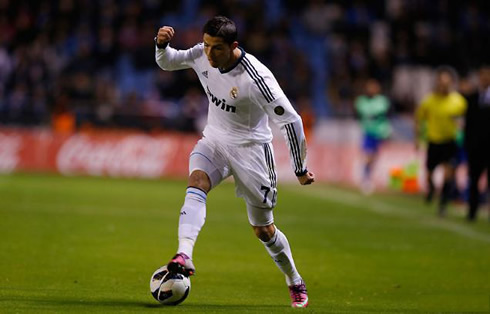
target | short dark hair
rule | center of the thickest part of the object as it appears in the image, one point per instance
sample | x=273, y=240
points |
x=221, y=26
x=446, y=69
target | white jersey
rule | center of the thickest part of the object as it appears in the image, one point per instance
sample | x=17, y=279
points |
x=241, y=99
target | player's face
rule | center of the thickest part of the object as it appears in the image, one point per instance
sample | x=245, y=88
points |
x=219, y=53
x=444, y=83
x=372, y=87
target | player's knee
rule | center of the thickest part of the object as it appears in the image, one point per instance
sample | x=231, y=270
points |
x=265, y=233
x=199, y=179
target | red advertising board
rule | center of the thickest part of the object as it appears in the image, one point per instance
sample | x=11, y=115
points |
x=100, y=154
x=126, y=154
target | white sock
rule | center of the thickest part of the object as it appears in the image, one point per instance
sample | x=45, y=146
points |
x=279, y=250
x=192, y=217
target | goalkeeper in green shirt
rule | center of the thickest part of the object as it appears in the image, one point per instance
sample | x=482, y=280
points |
x=372, y=109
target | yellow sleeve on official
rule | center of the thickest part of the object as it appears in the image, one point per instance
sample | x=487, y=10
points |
x=462, y=105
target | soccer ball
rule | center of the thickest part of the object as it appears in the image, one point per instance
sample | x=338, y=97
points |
x=169, y=288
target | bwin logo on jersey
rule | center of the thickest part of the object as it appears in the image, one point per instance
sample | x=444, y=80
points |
x=220, y=102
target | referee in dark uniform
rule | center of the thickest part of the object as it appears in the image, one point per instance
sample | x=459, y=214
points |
x=477, y=138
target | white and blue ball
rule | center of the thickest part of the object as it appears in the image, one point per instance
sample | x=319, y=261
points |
x=169, y=288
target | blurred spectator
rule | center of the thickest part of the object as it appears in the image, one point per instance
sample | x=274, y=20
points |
x=320, y=52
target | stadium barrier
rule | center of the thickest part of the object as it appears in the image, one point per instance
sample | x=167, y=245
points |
x=142, y=155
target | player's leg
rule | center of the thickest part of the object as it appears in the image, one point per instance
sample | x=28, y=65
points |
x=447, y=188
x=368, y=166
x=205, y=173
x=370, y=147
x=256, y=180
x=432, y=161
x=430, y=186
x=192, y=217
x=487, y=190
x=448, y=155
x=277, y=245
x=476, y=167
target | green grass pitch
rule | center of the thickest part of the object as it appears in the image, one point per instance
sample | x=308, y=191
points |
x=81, y=244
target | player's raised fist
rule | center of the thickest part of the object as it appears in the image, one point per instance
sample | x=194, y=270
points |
x=165, y=34
x=307, y=178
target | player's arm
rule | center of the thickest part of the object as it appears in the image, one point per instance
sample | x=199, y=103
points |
x=266, y=92
x=171, y=59
x=357, y=107
x=460, y=111
x=463, y=105
x=289, y=121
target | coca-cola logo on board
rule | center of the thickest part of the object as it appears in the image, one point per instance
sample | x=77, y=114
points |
x=130, y=156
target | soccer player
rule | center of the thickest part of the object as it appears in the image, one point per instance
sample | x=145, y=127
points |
x=372, y=108
x=439, y=113
x=243, y=94
x=477, y=138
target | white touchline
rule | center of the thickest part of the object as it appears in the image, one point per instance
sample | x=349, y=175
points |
x=375, y=206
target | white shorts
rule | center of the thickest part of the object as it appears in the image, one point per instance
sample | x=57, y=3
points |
x=252, y=167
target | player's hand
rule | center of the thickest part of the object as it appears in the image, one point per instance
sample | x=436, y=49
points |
x=165, y=34
x=307, y=178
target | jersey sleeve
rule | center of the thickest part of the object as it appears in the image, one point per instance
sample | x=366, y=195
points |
x=294, y=134
x=171, y=59
x=462, y=105
x=358, y=106
x=268, y=94
x=386, y=104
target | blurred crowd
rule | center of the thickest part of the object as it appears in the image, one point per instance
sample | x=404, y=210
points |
x=86, y=63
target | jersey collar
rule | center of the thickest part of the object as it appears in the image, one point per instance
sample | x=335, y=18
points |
x=234, y=64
